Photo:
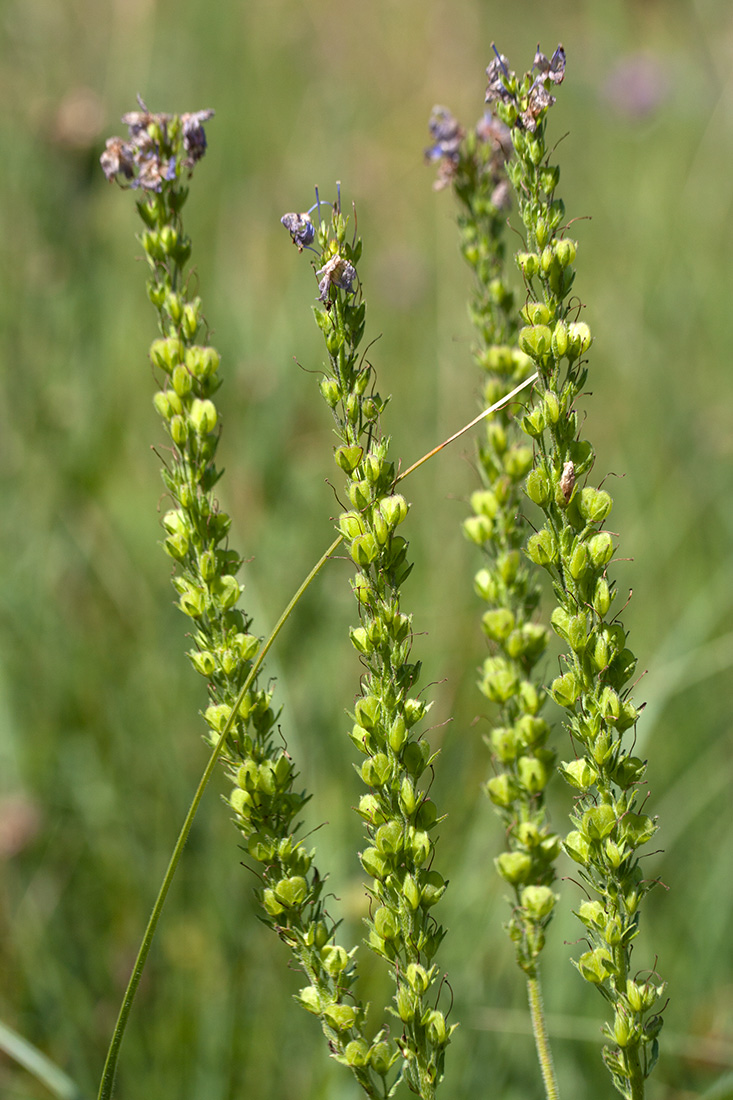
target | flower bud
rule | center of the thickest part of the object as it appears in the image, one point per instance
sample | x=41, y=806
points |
x=433, y=889
x=478, y=529
x=532, y=774
x=374, y=863
x=436, y=1027
x=397, y=734
x=351, y=524
x=592, y=914
x=598, y=822
x=386, y=924
x=502, y=790
x=202, y=362
x=528, y=263
x=360, y=641
x=485, y=585
x=600, y=549
x=596, y=966
x=538, y=901
x=203, y=416
x=514, y=867
x=535, y=313
x=376, y=770
x=406, y=1002
x=498, y=623
x=533, y=422
x=579, y=773
x=331, y=392
x=579, y=339
x=348, y=458
x=594, y=505
x=577, y=847
x=356, y=1053
x=536, y=341
x=364, y=550
x=542, y=548
x=203, y=662
x=565, y=251
x=340, y=1017
x=414, y=711
x=335, y=959
x=537, y=487
x=394, y=509
x=382, y=1057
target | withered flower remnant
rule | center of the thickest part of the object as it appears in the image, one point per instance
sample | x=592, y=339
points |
x=301, y=229
x=337, y=272
x=158, y=146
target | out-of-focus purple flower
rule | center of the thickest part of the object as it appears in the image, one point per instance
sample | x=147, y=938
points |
x=118, y=159
x=337, y=272
x=501, y=196
x=496, y=133
x=447, y=134
x=637, y=85
x=301, y=229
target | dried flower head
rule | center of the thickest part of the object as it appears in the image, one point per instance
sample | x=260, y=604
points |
x=554, y=69
x=498, y=76
x=194, y=138
x=155, y=148
x=118, y=159
x=337, y=272
x=567, y=481
x=301, y=229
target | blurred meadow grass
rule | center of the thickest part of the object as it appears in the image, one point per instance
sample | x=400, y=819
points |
x=99, y=736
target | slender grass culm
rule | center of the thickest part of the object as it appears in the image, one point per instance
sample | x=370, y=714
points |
x=509, y=144
x=535, y=455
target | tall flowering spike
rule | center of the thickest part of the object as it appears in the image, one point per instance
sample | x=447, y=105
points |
x=474, y=163
x=522, y=761
x=398, y=814
x=598, y=668
x=265, y=800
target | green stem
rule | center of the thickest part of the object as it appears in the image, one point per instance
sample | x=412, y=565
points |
x=110, y=1065
x=542, y=1042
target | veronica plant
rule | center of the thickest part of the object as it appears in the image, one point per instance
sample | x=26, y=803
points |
x=397, y=810
x=572, y=546
x=473, y=165
x=160, y=152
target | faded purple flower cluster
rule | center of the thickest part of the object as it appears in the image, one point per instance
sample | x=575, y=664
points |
x=494, y=149
x=447, y=135
x=501, y=82
x=158, y=146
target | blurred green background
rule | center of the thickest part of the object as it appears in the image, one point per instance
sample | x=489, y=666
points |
x=99, y=734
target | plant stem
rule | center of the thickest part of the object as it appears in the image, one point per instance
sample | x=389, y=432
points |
x=542, y=1042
